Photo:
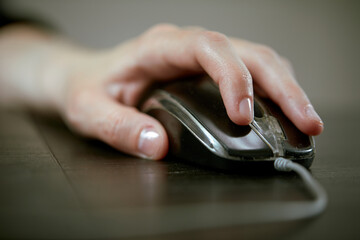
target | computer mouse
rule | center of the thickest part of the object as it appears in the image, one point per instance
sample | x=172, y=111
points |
x=200, y=131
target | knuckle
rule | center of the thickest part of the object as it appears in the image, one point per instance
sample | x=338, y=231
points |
x=266, y=52
x=162, y=28
x=112, y=125
x=291, y=91
x=153, y=34
x=195, y=28
x=211, y=37
x=294, y=89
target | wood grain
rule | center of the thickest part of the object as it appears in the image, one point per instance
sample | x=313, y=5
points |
x=55, y=184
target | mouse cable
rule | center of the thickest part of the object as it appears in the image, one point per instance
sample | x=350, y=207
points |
x=319, y=204
x=204, y=216
x=178, y=218
x=226, y=214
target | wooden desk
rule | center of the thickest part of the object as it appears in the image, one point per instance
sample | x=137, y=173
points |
x=54, y=184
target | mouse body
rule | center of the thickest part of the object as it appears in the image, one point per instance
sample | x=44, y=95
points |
x=200, y=131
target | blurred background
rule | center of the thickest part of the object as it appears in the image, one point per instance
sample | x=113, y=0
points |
x=320, y=38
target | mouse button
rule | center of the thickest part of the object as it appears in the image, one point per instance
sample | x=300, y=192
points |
x=293, y=136
x=249, y=146
x=234, y=136
x=203, y=100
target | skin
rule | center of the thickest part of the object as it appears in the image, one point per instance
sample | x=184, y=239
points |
x=96, y=91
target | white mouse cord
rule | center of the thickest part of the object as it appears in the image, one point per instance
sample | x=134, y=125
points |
x=225, y=214
x=319, y=204
x=204, y=216
x=250, y=212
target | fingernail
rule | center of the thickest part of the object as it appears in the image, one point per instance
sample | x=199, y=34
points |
x=311, y=113
x=148, y=143
x=246, y=109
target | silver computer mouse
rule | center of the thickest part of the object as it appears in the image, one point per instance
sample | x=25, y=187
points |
x=200, y=131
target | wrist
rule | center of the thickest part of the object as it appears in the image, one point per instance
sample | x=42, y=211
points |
x=60, y=72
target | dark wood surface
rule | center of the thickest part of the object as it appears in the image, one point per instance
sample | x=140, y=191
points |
x=55, y=184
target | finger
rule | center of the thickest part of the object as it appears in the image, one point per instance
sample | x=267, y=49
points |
x=216, y=55
x=96, y=115
x=259, y=91
x=278, y=81
x=194, y=51
x=287, y=64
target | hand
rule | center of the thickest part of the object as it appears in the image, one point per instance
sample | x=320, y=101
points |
x=101, y=89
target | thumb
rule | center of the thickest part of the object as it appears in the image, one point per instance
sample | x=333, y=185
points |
x=125, y=128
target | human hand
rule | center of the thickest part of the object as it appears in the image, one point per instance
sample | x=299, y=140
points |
x=99, y=95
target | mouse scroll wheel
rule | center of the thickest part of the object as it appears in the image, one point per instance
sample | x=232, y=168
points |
x=258, y=110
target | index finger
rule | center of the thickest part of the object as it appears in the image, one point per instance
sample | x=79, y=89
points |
x=174, y=51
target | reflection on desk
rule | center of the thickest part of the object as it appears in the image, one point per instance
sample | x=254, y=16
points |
x=55, y=184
